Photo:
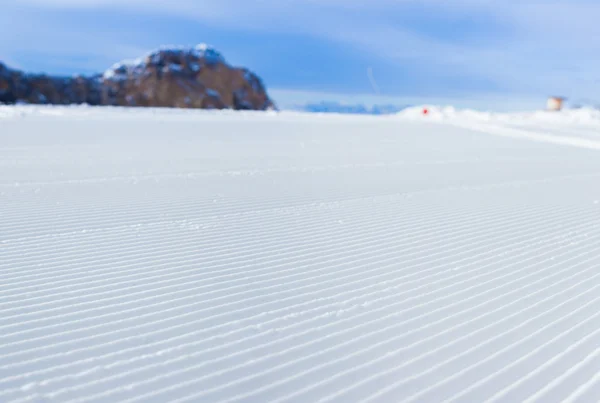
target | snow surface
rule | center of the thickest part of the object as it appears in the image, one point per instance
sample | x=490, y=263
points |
x=169, y=255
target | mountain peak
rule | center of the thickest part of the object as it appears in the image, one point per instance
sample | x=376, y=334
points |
x=173, y=58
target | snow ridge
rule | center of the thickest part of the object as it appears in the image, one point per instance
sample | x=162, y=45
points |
x=571, y=127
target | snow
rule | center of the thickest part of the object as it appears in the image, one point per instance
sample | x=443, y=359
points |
x=213, y=93
x=120, y=71
x=575, y=127
x=207, y=256
x=567, y=116
x=209, y=53
x=174, y=67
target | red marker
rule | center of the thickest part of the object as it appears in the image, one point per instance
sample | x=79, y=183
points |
x=425, y=111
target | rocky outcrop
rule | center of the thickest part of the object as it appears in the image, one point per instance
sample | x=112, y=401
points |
x=197, y=77
x=16, y=86
x=9, y=80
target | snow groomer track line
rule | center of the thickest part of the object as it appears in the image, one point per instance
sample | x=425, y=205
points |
x=170, y=255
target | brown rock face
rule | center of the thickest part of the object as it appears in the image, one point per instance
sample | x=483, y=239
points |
x=8, y=81
x=195, y=77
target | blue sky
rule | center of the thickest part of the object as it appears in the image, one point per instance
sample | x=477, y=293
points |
x=476, y=53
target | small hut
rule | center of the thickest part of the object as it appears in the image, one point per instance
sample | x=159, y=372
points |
x=555, y=103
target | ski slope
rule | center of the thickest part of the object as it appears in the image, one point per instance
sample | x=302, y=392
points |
x=162, y=255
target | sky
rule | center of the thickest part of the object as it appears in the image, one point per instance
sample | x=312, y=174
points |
x=486, y=54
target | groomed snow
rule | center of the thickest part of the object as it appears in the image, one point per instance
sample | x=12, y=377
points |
x=159, y=255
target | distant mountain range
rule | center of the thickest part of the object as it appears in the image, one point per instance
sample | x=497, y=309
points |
x=338, y=107
x=196, y=77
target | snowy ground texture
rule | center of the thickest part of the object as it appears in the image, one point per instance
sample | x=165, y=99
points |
x=151, y=256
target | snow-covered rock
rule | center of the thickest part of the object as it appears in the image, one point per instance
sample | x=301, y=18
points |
x=192, y=77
